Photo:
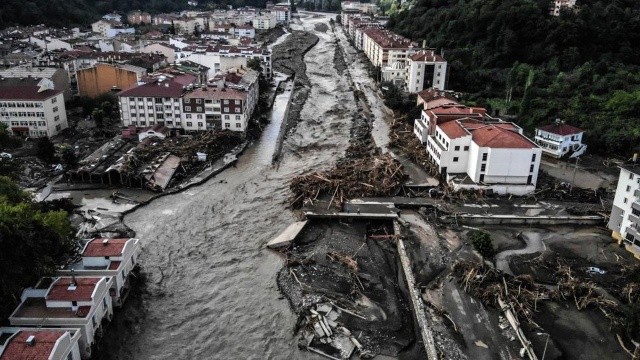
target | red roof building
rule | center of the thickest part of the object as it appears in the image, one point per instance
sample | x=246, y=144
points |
x=68, y=289
x=561, y=129
x=39, y=347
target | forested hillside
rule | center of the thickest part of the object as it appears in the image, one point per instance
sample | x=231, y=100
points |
x=512, y=56
x=83, y=12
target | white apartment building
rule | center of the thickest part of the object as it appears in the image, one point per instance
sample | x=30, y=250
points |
x=384, y=48
x=226, y=103
x=425, y=69
x=473, y=154
x=211, y=57
x=114, y=258
x=561, y=4
x=39, y=343
x=67, y=302
x=264, y=21
x=282, y=13
x=244, y=31
x=559, y=139
x=33, y=111
x=156, y=102
x=110, y=28
x=624, y=221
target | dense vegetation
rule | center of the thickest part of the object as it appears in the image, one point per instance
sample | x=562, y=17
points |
x=513, y=57
x=34, y=240
x=82, y=12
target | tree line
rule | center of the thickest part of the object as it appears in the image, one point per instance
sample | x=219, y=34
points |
x=516, y=59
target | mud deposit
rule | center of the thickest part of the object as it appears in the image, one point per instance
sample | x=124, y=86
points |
x=211, y=288
x=369, y=288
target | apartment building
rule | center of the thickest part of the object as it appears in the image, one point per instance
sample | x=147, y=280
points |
x=39, y=343
x=58, y=76
x=115, y=258
x=282, y=13
x=213, y=57
x=103, y=78
x=33, y=110
x=264, y=21
x=559, y=139
x=561, y=4
x=384, y=48
x=486, y=155
x=67, y=302
x=624, y=221
x=425, y=69
x=138, y=17
x=110, y=28
x=425, y=126
x=226, y=102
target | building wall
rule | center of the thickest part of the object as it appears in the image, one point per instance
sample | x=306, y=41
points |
x=557, y=145
x=415, y=75
x=45, y=118
x=168, y=52
x=102, y=78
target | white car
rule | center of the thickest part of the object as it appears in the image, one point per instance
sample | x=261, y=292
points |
x=594, y=270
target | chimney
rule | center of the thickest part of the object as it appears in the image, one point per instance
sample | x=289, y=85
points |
x=424, y=44
x=105, y=242
x=31, y=340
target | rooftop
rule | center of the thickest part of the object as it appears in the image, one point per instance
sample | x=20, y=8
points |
x=426, y=55
x=157, y=88
x=35, y=308
x=26, y=93
x=18, y=349
x=495, y=136
x=389, y=39
x=104, y=247
x=62, y=289
x=29, y=71
x=561, y=129
x=213, y=93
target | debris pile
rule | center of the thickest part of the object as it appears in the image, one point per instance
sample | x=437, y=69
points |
x=401, y=137
x=320, y=333
x=549, y=188
x=367, y=177
x=523, y=294
x=343, y=284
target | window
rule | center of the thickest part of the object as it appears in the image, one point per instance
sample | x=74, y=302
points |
x=237, y=110
x=457, y=148
x=625, y=200
x=482, y=178
x=631, y=176
x=484, y=157
x=199, y=123
x=531, y=168
x=54, y=100
x=225, y=101
x=466, y=148
x=56, y=118
x=455, y=159
x=188, y=116
x=187, y=108
x=55, y=109
x=189, y=123
x=226, y=117
x=628, y=188
x=198, y=101
x=533, y=157
x=74, y=303
x=199, y=108
x=238, y=125
x=237, y=117
x=104, y=302
x=483, y=167
x=227, y=125
x=226, y=109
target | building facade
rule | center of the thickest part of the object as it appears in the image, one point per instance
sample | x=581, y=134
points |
x=558, y=140
x=624, y=221
x=425, y=69
x=33, y=111
x=103, y=78
x=69, y=302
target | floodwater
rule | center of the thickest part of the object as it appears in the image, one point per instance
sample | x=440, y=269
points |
x=211, y=288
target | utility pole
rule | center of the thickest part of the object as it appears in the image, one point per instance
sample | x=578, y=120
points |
x=573, y=180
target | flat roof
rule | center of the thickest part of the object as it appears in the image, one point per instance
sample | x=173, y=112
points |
x=37, y=308
x=40, y=349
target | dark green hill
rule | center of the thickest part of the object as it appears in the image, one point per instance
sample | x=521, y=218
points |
x=511, y=55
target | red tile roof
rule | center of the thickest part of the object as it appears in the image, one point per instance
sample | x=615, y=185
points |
x=97, y=248
x=453, y=130
x=561, y=129
x=114, y=265
x=167, y=88
x=213, y=93
x=497, y=137
x=18, y=349
x=388, y=39
x=84, y=289
x=426, y=55
x=26, y=93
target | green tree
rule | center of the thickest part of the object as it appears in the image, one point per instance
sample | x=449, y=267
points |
x=45, y=150
x=98, y=116
x=69, y=158
x=6, y=139
x=482, y=242
x=254, y=64
x=10, y=192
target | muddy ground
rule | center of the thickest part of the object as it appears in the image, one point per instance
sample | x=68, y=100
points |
x=371, y=288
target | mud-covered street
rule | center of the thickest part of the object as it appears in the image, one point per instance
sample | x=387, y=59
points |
x=210, y=289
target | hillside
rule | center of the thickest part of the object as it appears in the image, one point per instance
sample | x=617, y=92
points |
x=510, y=55
x=83, y=12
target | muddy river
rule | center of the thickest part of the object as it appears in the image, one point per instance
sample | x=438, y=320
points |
x=211, y=291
